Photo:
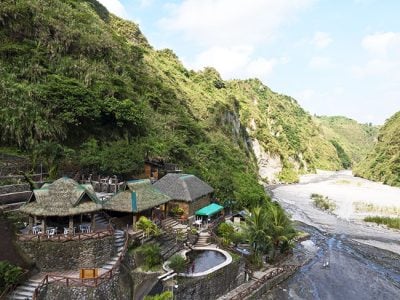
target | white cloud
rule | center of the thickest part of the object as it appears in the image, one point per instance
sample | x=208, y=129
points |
x=115, y=7
x=236, y=62
x=321, y=39
x=231, y=22
x=321, y=63
x=382, y=43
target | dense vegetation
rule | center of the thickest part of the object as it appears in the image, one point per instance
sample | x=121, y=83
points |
x=352, y=140
x=388, y=221
x=383, y=163
x=83, y=90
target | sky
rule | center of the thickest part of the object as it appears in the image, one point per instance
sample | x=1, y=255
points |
x=338, y=57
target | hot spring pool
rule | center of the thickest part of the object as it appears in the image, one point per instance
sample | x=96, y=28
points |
x=203, y=260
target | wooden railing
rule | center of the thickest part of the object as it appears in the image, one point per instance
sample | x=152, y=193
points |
x=85, y=282
x=258, y=282
x=66, y=237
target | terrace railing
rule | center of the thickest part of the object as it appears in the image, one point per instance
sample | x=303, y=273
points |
x=82, y=282
x=66, y=237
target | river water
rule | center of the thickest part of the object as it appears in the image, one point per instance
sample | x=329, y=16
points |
x=344, y=257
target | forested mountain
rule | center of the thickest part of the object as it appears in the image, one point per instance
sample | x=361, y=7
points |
x=352, y=140
x=383, y=162
x=82, y=89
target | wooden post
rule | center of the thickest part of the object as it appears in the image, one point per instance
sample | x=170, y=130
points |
x=71, y=224
x=93, y=220
x=134, y=222
x=44, y=225
x=30, y=222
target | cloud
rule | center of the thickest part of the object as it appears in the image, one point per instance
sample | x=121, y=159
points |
x=231, y=22
x=384, y=61
x=321, y=40
x=320, y=63
x=382, y=43
x=115, y=7
x=236, y=62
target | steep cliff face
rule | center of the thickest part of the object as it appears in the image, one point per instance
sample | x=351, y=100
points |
x=383, y=162
x=83, y=89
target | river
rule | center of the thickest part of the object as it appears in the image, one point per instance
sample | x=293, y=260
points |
x=345, y=258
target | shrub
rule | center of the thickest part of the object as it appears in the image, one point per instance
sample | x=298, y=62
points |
x=151, y=255
x=177, y=263
x=323, y=202
x=167, y=295
x=147, y=226
x=9, y=274
x=226, y=231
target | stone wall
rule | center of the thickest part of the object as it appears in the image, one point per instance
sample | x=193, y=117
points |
x=212, y=285
x=269, y=284
x=119, y=287
x=197, y=204
x=69, y=255
x=14, y=188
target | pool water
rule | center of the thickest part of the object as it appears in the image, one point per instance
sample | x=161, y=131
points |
x=203, y=260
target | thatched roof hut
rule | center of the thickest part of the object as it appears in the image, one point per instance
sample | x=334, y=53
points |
x=183, y=187
x=138, y=196
x=63, y=197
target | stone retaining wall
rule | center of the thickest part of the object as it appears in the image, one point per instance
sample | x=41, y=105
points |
x=14, y=188
x=69, y=255
x=119, y=287
x=212, y=285
x=269, y=284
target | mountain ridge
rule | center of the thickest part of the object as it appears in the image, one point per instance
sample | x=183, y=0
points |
x=83, y=89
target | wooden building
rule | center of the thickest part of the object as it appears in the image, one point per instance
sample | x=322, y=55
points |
x=186, y=191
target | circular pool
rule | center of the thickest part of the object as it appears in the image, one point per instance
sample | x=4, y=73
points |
x=205, y=260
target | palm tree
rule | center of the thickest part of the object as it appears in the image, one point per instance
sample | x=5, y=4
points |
x=268, y=229
x=280, y=228
x=256, y=230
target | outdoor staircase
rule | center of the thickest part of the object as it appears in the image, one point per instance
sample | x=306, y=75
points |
x=25, y=291
x=119, y=236
x=204, y=239
x=169, y=223
x=100, y=219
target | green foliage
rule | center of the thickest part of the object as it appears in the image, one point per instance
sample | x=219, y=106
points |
x=167, y=295
x=383, y=162
x=177, y=263
x=150, y=254
x=226, y=232
x=355, y=139
x=9, y=274
x=343, y=157
x=388, y=221
x=268, y=229
x=323, y=202
x=147, y=226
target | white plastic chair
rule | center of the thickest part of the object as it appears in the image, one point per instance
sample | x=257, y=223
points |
x=36, y=230
x=51, y=232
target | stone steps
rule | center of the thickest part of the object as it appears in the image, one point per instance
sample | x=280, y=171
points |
x=25, y=291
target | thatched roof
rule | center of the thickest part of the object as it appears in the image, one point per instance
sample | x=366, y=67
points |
x=139, y=195
x=183, y=187
x=63, y=197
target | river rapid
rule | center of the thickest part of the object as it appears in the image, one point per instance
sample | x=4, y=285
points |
x=345, y=258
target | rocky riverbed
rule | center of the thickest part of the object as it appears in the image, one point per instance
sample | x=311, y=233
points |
x=345, y=258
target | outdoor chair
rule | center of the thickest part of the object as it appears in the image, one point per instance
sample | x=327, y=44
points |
x=51, y=232
x=36, y=230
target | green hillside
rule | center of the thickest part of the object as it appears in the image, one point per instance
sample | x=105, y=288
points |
x=383, y=163
x=83, y=89
x=352, y=140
